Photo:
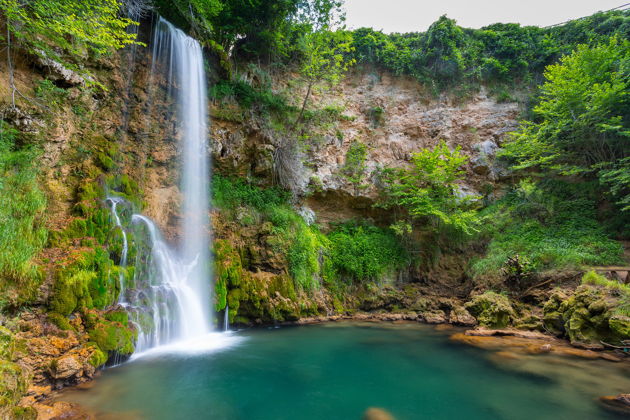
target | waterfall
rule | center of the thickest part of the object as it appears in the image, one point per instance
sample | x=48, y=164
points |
x=166, y=305
x=226, y=318
x=114, y=202
x=169, y=298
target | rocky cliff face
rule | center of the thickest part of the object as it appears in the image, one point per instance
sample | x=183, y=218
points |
x=393, y=117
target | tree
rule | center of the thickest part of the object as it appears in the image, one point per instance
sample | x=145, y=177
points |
x=443, y=56
x=582, y=124
x=429, y=192
x=324, y=60
x=65, y=30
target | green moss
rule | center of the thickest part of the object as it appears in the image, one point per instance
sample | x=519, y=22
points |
x=112, y=337
x=86, y=283
x=59, y=320
x=105, y=162
x=98, y=357
x=620, y=326
x=119, y=316
x=13, y=383
x=491, y=310
x=228, y=272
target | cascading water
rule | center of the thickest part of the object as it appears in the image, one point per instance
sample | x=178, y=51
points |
x=171, y=291
x=226, y=318
x=114, y=202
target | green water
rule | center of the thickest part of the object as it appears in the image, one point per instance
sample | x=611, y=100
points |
x=337, y=371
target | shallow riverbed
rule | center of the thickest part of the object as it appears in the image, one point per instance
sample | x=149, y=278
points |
x=338, y=370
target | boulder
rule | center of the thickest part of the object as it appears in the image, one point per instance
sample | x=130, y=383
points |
x=460, y=316
x=620, y=326
x=59, y=73
x=434, y=317
x=487, y=148
x=66, y=367
x=491, y=310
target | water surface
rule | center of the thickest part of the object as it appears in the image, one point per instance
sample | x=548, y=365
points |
x=337, y=371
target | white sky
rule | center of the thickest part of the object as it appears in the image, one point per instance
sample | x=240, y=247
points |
x=417, y=15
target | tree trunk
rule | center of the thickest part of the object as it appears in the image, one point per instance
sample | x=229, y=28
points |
x=308, y=94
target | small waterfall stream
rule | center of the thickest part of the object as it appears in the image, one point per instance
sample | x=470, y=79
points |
x=169, y=297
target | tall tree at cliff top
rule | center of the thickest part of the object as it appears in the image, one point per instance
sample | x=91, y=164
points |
x=323, y=49
x=582, y=124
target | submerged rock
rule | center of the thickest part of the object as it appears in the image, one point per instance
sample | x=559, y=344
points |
x=618, y=403
x=374, y=413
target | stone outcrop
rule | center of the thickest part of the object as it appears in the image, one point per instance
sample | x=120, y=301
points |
x=586, y=317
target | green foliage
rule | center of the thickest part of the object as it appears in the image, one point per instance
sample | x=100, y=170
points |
x=551, y=225
x=428, y=190
x=49, y=93
x=350, y=253
x=230, y=193
x=90, y=281
x=582, y=124
x=261, y=98
x=54, y=29
x=592, y=278
x=362, y=252
x=22, y=232
x=448, y=56
x=354, y=167
x=112, y=337
x=324, y=58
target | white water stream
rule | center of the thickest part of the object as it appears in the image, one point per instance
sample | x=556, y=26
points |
x=169, y=300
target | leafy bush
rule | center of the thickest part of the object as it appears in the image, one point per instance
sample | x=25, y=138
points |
x=552, y=226
x=429, y=191
x=362, y=252
x=582, y=123
x=233, y=192
x=354, y=167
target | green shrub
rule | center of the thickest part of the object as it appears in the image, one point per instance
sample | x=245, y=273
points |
x=552, y=225
x=362, y=252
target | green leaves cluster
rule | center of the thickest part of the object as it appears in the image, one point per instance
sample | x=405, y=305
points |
x=350, y=253
x=429, y=193
x=363, y=252
x=582, y=124
x=551, y=225
x=354, y=167
x=447, y=55
x=58, y=29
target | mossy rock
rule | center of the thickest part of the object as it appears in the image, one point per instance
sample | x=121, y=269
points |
x=620, y=326
x=86, y=283
x=13, y=384
x=98, y=357
x=586, y=315
x=553, y=319
x=60, y=321
x=113, y=337
x=491, y=310
x=228, y=272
